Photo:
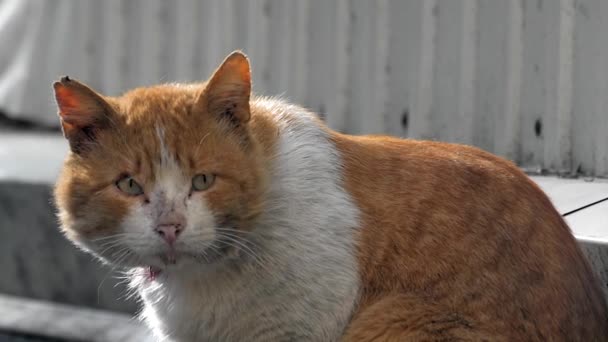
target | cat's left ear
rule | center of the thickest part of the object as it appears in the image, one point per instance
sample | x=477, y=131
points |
x=82, y=112
x=227, y=92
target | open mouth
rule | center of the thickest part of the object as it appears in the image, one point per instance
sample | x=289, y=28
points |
x=171, y=257
x=152, y=273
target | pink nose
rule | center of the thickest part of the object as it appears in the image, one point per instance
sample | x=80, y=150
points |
x=169, y=232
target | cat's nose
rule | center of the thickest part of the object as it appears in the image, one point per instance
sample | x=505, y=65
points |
x=169, y=231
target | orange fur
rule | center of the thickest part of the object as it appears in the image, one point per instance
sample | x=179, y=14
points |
x=452, y=233
x=131, y=147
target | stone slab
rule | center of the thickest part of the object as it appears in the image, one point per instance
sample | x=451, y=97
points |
x=571, y=194
x=67, y=323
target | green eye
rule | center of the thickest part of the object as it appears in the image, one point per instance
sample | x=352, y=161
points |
x=202, y=182
x=129, y=186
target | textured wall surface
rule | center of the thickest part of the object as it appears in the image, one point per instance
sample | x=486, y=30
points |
x=527, y=79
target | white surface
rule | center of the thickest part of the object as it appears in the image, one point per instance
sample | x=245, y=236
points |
x=479, y=72
x=569, y=194
x=31, y=157
x=591, y=223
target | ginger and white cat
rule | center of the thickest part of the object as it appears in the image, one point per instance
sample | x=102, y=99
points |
x=243, y=218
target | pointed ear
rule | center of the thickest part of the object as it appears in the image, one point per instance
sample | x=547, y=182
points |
x=82, y=112
x=227, y=92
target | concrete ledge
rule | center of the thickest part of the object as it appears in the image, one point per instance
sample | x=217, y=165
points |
x=31, y=157
x=63, y=322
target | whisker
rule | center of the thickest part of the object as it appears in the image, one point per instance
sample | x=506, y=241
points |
x=234, y=242
x=113, y=236
x=243, y=239
x=108, y=245
x=106, y=249
x=102, y=281
x=201, y=142
x=123, y=251
x=232, y=230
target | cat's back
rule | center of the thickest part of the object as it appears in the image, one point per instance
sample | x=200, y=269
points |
x=470, y=232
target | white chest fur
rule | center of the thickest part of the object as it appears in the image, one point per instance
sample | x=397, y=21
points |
x=308, y=283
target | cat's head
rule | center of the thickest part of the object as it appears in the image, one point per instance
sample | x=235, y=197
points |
x=160, y=175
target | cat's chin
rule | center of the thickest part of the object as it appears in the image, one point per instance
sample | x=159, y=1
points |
x=181, y=261
x=182, y=266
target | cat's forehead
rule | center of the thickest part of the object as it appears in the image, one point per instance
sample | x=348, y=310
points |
x=156, y=126
x=163, y=127
x=158, y=102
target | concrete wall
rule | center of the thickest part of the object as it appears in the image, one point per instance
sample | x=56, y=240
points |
x=38, y=262
x=527, y=79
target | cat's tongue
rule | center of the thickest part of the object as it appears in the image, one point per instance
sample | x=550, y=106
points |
x=152, y=272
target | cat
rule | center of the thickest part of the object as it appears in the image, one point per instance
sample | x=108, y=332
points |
x=244, y=218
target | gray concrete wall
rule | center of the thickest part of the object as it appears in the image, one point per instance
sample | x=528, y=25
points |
x=37, y=261
x=526, y=79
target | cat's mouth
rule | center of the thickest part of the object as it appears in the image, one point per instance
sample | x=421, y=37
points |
x=174, y=258
x=169, y=259
x=152, y=272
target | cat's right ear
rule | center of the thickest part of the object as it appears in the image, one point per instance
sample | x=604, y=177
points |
x=82, y=112
x=227, y=93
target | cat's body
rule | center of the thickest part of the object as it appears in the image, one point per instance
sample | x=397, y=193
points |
x=308, y=234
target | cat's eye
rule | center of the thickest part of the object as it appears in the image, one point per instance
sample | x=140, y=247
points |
x=129, y=186
x=203, y=181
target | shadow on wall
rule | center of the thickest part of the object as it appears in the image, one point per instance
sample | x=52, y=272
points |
x=38, y=262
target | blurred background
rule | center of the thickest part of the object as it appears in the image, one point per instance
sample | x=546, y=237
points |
x=525, y=79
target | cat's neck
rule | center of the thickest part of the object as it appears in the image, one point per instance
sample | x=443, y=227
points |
x=301, y=237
